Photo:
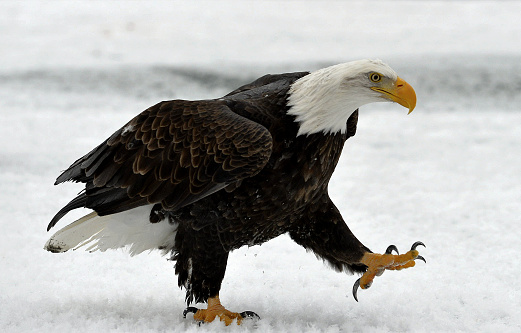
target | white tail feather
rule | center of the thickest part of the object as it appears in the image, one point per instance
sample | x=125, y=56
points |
x=130, y=228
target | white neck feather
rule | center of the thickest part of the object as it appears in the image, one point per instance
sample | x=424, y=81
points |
x=323, y=100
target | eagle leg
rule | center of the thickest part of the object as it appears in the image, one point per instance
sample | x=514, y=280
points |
x=378, y=263
x=215, y=309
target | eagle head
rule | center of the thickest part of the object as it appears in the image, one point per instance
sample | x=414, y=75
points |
x=323, y=100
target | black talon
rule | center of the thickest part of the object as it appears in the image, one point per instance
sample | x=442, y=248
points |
x=390, y=249
x=189, y=309
x=421, y=258
x=355, y=289
x=416, y=244
x=249, y=315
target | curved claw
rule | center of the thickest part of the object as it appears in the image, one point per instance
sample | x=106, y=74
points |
x=355, y=289
x=249, y=315
x=416, y=244
x=392, y=248
x=188, y=310
x=421, y=258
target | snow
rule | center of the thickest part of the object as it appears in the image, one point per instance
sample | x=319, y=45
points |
x=71, y=73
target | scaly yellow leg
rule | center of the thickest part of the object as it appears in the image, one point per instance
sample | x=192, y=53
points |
x=378, y=263
x=215, y=309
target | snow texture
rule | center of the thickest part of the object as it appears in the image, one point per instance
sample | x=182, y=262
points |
x=449, y=174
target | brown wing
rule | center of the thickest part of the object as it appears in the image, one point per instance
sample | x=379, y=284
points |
x=173, y=153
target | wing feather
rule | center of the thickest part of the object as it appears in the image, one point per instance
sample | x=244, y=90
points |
x=173, y=153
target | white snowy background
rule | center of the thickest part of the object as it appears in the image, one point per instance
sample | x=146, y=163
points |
x=449, y=174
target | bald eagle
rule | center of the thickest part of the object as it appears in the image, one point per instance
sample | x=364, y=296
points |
x=198, y=179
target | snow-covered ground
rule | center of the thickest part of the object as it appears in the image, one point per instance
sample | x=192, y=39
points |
x=449, y=174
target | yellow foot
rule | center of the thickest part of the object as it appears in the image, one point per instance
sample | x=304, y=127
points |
x=215, y=309
x=378, y=263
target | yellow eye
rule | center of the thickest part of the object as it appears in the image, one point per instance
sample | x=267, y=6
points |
x=375, y=77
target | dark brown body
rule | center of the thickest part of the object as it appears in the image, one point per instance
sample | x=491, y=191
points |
x=288, y=195
x=230, y=172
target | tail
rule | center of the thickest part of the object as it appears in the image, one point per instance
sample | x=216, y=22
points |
x=76, y=234
x=130, y=228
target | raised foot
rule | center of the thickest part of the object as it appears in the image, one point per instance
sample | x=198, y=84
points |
x=215, y=309
x=378, y=263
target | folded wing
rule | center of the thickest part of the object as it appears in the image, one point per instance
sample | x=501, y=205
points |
x=173, y=153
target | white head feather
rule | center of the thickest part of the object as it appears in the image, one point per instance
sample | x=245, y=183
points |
x=323, y=100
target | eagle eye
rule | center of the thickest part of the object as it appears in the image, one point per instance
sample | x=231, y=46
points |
x=375, y=77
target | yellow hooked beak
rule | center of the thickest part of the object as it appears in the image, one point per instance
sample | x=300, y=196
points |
x=401, y=92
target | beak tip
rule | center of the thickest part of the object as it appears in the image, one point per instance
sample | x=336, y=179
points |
x=407, y=95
